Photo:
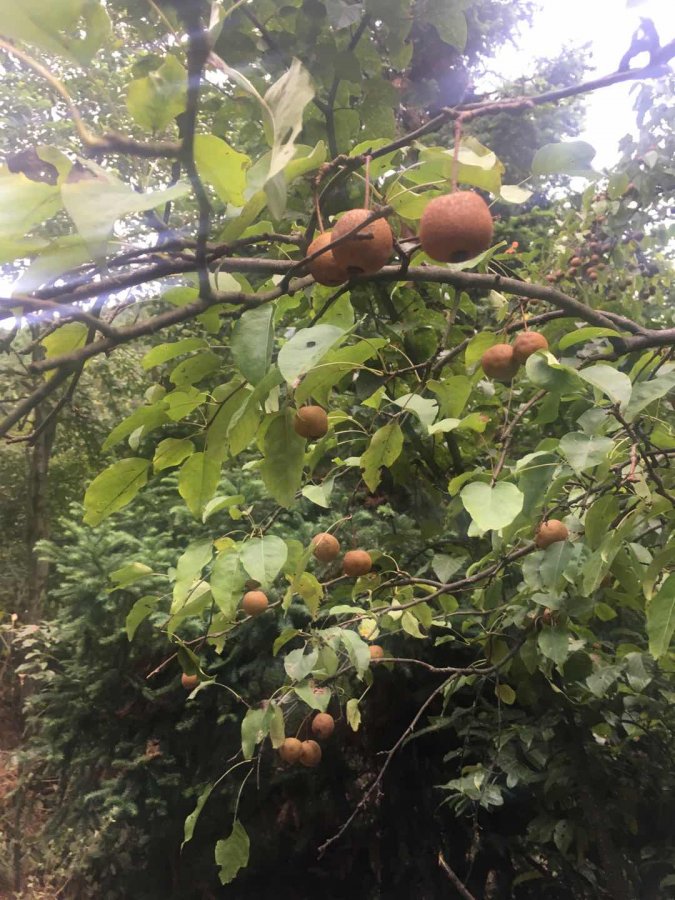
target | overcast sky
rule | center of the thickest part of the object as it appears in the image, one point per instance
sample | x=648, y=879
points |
x=608, y=26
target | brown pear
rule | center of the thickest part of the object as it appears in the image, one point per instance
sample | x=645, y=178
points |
x=456, y=226
x=324, y=268
x=326, y=547
x=189, y=682
x=368, y=249
x=310, y=754
x=254, y=603
x=290, y=750
x=551, y=532
x=311, y=422
x=526, y=344
x=357, y=562
x=499, y=362
x=323, y=725
x=376, y=652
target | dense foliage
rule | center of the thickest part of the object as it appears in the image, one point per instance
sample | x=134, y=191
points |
x=502, y=704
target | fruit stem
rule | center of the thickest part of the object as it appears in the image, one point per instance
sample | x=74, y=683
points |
x=455, y=158
x=366, y=200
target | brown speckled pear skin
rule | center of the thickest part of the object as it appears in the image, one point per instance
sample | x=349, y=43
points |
x=528, y=343
x=324, y=268
x=311, y=422
x=326, y=547
x=456, y=227
x=551, y=532
x=356, y=563
x=361, y=255
x=499, y=362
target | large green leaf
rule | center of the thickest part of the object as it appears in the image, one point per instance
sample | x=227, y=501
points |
x=567, y=158
x=583, y=451
x=114, y=488
x=72, y=29
x=661, y=618
x=646, y=392
x=383, y=450
x=164, y=352
x=334, y=366
x=492, y=507
x=554, y=644
x=284, y=455
x=145, y=417
x=614, y=384
x=228, y=580
x=155, y=100
x=251, y=342
x=299, y=664
x=24, y=203
x=306, y=348
x=223, y=167
x=95, y=204
x=232, y=853
x=198, y=481
x=172, y=452
x=254, y=729
x=191, y=819
x=188, y=570
x=264, y=557
x=286, y=100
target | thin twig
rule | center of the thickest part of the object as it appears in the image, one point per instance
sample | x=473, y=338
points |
x=461, y=887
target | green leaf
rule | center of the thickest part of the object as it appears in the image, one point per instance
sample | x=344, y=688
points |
x=232, y=853
x=425, y=409
x=218, y=503
x=505, y=693
x=172, y=452
x=191, y=820
x=646, y=392
x=320, y=493
x=567, y=158
x=309, y=588
x=52, y=26
x=95, y=204
x=661, y=618
x=554, y=644
x=198, y=482
x=306, y=348
x=251, y=342
x=357, y=649
x=254, y=730
x=315, y=698
x=286, y=635
x=129, y=574
x=145, y=417
x=582, y=451
x=614, y=384
x=263, y=558
x=286, y=100
x=583, y=335
x=228, y=580
x=284, y=455
x=492, y=507
x=353, y=714
x=195, y=369
x=600, y=682
x=114, y=488
x=181, y=403
x=155, y=100
x=65, y=339
x=334, y=366
x=477, y=347
x=445, y=565
x=514, y=193
x=188, y=569
x=164, y=352
x=545, y=371
x=24, y=203
x=299, y=664
x=138, y=613
x=223, y=167
x=598, y=518
x=383, y=450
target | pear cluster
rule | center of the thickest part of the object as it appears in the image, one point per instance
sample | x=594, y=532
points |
x=502, y=361
x=308, y=753
x=355, y=563
x=454, y=227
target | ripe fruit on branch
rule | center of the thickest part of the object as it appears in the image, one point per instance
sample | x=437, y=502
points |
x=310, y=754
x=326, y=547
x=368, y=249
x=550, y=533
x=528, y=343
x=456, y=227
x=376, y=652
x=324, y=268
x=189, y=682
x=290, y=750
x=357, y=562
x=323, y=725
x=499, y=362
x=254, y=603
x=311, y=422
